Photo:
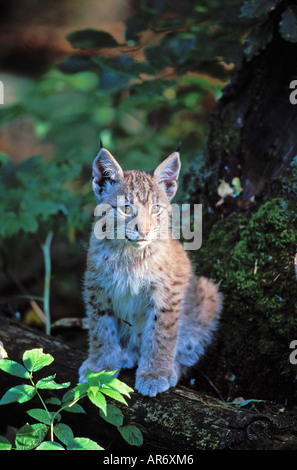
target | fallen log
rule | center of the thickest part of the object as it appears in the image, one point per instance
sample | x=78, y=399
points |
x=177, y=420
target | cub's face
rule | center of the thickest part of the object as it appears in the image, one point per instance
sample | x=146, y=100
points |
x=134, y=205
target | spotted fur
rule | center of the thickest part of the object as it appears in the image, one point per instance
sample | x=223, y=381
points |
x=145, y=307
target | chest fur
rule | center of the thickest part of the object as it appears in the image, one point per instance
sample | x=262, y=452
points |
x=129, y=290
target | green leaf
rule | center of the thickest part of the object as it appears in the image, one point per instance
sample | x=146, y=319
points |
x=36, y=359
x=91, y=39
x=288, y=24
x=14, y=368
x=119, y=386
x=98, y=399
x=113, y=415
x=50, y=445
x=131, y=434
x=49, y=384
x=10, y=225
x=53, y=401
x=20, y=394
x=78, y=392
x=113, y=394
x=40, y=415
x=83, y=443
x=28, y=437
x=108, y=379
x=63, y=433
x=75, y=408
x=5, y=444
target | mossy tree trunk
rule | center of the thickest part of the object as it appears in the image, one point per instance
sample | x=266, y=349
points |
x=249, y=239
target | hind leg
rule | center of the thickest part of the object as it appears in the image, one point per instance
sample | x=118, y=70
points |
x=198, y=322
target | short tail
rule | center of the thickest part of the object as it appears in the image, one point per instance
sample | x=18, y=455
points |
x=199, y=323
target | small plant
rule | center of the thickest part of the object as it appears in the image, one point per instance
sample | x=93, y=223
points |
x=49, y=433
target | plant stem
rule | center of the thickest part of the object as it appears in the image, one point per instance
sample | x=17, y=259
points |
x=47, y=277
x=52, y=431
x=44, y=406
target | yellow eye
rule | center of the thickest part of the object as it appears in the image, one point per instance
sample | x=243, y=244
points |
x=127, y=209
x=156, y=209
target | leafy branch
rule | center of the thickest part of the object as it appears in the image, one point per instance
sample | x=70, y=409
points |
x=49, y=433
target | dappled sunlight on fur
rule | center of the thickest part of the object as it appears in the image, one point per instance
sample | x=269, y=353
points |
x=145, y=306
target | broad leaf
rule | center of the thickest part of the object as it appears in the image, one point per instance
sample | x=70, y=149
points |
x=20, y=394
x=113, y=394
x=63, y=433
x=72, y=396
x=75, y=408
x=132, y=435
x=5, y=444
x=91, y=39
x=14, y=368
x=28, y=437
x=83, y=443
x=98, y=399
x=40, y=415
x=36, y=359
x=49, y=445
x=53, y=401
x=79, y=391
x=113, y=415
x=107, y=378
x=49, y=384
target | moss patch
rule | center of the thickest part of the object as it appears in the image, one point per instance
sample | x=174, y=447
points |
x=252, y=256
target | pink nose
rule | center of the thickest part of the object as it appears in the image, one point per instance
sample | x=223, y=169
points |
x=143, y=231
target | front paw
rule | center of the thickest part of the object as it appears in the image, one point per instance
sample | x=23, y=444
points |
x=151, y=383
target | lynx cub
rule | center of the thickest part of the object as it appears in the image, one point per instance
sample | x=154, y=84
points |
x=145, y=306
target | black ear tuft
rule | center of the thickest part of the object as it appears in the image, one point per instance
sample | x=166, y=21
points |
x=105, y=170
x=179, y=147
x=101, y=144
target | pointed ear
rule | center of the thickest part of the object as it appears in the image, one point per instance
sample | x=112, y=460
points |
x=106, y=170
x=167, y=173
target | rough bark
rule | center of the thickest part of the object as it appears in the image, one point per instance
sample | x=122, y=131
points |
x=177, y=420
